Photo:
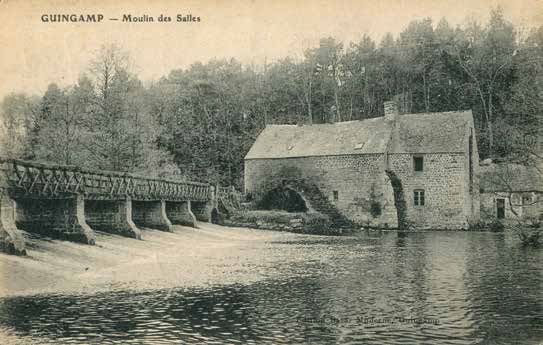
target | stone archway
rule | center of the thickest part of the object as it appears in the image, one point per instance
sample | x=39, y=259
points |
x=285, y=198
x=314, y=199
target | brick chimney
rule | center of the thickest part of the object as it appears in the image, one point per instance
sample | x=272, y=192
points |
x=391, y=110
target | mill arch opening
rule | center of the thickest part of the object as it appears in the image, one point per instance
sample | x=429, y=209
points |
x=283, y=198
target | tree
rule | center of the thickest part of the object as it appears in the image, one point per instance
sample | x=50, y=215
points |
x=199, y=122
x=18, y=114
x=57, y=134
x=521, y=131
x=327, y=59
x=420, y=56
x=361, y=85
x=485, y=55
x=119, y=133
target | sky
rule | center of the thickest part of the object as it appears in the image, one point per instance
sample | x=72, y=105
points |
x=35, y=53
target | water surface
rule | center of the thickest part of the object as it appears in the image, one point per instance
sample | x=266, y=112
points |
x=374, y=288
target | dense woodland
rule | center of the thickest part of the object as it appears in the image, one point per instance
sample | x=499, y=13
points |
x=198, y=123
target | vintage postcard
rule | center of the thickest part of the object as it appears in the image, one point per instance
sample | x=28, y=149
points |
x=271, y=172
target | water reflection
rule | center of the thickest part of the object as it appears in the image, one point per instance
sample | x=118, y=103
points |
x=378, y=288
x=504, y=283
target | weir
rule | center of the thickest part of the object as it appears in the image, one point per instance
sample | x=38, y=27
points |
x=68, y=202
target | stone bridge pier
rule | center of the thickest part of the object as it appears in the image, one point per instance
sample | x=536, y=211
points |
x=151, y=214
x=202, y=210
x=112, y=216
x=179, y=212
x=58, y=218
x=206, y=211
x=11, y=239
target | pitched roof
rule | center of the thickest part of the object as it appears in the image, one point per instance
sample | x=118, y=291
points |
x=507, y=177
x=422, y=133
x=341, y=138
x=432, y=132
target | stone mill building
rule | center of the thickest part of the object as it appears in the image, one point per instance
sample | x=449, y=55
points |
x=396, y=171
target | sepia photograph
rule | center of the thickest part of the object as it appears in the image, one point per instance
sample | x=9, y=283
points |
x=271, y=172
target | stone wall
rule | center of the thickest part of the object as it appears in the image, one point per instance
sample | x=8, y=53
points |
x=475, y=192
x=532, y=209
x=364, y=194
x=443, y=180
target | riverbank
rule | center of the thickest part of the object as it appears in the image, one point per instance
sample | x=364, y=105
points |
x=206, y=256
x=314, y=223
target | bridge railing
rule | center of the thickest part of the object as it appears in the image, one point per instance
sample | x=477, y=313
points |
x=229, y=196
x=38, y=180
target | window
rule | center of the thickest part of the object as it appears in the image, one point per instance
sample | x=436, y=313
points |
x=336, y=195
x=527, y=199
x=418, y=197
x=418, y=163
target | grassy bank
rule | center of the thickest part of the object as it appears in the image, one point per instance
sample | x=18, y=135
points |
x=298, y=222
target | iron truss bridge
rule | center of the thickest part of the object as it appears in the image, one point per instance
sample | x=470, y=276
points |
x=23, y=179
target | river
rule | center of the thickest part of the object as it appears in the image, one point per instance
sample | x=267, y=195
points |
x=371, y=288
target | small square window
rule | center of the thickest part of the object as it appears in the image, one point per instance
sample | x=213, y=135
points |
x=418, y=163
x=336, y=195
x=526, y=200
x=418, y=197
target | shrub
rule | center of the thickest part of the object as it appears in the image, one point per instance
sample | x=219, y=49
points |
x=316, y=222
x=496, y=226
x=492, y=225
x=273, y=216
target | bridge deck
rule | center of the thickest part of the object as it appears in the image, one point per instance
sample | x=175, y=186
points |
x=24, y=179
